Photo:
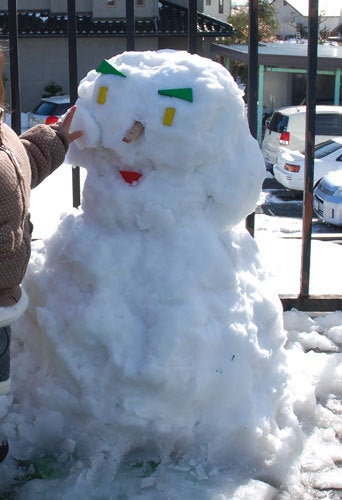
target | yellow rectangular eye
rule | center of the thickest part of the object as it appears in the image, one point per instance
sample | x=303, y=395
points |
x=168, y=116
x=102, y=95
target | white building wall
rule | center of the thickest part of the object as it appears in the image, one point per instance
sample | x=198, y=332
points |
x=210, y=7
x=59, y=6
x=103, y=9
x=329, y=23
x=289, y=17
x=99, y=8
x=36, y=69
x=213, y=7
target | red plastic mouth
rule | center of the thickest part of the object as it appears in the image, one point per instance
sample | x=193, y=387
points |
x=130, y=177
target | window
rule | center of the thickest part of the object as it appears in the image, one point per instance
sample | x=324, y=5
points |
x=278, y=122
x=326, y=148
x=140, y=3
x=220, y=6
x=329, y=124
x=207, y=2
x=110, y=3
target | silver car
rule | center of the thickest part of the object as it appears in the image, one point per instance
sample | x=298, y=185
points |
x=49, y=110
x=327, y=202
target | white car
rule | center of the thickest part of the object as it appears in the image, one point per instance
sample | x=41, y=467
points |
x=327, y=203
x=290, y=166
x=286, y=129
x=49, y=110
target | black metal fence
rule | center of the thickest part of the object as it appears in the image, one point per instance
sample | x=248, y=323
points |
x=303, y=300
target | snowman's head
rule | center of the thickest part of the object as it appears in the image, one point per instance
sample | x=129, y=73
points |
x=172, y=112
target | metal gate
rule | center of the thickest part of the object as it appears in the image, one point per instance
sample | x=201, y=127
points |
x=303, y=301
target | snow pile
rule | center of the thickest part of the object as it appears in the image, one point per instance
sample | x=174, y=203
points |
x=315, y=362
x=151, y=361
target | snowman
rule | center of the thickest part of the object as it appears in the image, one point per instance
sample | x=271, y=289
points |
x=153, y=326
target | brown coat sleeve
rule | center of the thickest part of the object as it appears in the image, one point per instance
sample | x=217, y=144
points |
x=46, y=147
x=38, y=152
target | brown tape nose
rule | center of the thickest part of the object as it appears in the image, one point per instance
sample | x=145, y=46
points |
x=134, y=132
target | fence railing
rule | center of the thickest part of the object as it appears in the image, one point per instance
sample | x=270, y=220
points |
x=303, y=300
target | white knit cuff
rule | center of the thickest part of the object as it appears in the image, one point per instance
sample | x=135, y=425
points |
x=11, y=313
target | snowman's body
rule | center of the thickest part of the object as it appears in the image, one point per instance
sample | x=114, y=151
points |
x=155, y=288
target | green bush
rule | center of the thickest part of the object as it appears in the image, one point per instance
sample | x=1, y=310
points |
x=51, y=89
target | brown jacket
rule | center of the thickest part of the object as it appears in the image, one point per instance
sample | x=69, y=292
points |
x=24, y=162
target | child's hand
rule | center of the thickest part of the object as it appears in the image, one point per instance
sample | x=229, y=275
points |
x=66, y=123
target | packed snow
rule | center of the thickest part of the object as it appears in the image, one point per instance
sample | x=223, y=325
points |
x=153, y=361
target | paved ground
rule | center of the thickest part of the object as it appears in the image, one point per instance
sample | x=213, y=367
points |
x=289, y=204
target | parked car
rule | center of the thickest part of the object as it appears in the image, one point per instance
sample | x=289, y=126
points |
x=327, y=203
x=286, y=128
x=49, y=110
x=289, y=170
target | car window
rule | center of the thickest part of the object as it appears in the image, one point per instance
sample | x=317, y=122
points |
x=62, y=108
x=45, y=108
x=329, y=124
x=326, y=148
x=278, y=122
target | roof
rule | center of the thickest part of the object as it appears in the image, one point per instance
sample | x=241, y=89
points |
x=293, y=110
x=336, y=33
x=327, y=8
x=172, y=20
x=284, y=55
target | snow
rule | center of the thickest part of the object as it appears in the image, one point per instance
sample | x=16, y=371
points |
x=153, y=361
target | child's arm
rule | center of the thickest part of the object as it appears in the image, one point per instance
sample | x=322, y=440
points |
x=46, y=146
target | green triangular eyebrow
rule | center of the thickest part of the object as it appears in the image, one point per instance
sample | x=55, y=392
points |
x=107, y=69
x=185, y=94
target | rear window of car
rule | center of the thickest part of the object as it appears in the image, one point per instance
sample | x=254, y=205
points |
x=62, y=108
x=326, y=148
x=329, y=124
x=45, y=108
x=278, y=122
x=50, y=108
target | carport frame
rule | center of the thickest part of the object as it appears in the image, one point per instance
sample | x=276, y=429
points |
x=281, y=58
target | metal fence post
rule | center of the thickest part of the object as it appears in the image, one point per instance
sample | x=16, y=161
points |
x=14, y=66
x=72, y=45
x=130, y=25
x=310, y=130
x=252, y=85
x=192, y=27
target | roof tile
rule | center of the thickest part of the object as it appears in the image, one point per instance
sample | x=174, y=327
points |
x=172, y=20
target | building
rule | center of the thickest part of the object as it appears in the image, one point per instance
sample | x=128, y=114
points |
x=292, y=16
x=101, y=33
